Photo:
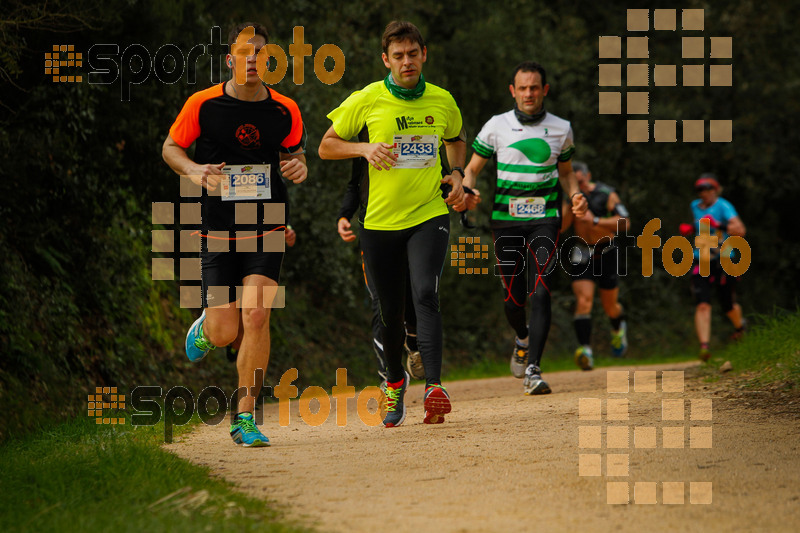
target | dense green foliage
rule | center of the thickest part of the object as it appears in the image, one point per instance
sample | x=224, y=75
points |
x=80, y=169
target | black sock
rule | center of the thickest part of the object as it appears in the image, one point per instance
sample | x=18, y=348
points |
x=617, y=322
x=583, y=329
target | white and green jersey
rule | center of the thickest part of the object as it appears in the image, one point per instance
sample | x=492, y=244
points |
x=527, y=189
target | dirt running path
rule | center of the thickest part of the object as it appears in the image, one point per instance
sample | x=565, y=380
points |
x=507, y=462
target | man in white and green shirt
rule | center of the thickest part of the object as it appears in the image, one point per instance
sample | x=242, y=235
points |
x=406, y=226
x=533, y=149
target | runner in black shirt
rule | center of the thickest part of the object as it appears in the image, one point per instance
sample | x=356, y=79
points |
x=259, y=134
x=596, y=263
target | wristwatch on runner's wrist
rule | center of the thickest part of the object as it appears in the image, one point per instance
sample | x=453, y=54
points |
x=596, y=220
x=459, y=169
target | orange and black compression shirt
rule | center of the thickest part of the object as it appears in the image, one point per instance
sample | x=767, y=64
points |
x=238, y=132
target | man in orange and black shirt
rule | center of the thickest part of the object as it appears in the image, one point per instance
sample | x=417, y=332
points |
x=247, y=137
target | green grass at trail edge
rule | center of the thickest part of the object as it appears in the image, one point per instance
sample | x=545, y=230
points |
x=767, y=355
x=80, y=476
x=494, y=367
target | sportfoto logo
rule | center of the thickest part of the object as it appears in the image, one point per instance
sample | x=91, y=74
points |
x=571, y=252
x=135, y=64
x=63, y=55
x=212, y=404
x=97, y=404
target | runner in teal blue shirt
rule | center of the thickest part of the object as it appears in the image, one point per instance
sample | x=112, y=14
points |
x=723, y=222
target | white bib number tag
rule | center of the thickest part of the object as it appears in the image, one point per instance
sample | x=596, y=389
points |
x=526, y=207
x=246, y=182
x=416, y=151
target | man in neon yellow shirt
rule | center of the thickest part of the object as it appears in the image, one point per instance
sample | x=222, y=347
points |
x=406, y=226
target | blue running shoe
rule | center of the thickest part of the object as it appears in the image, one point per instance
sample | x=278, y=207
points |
x=583, y=358
x=437, y=404
x=245, y=432
x=619, y=340
x=197, y=346
x=395, y=407
x=705, y=354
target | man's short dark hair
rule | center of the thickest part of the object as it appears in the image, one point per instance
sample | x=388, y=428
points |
x=398, y=31
x=580, y=166
x=529, y=66
x=236, y=30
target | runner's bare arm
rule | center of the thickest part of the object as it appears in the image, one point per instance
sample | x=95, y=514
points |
x=343, y=227
x=566, y=215
x=470, y=179
x=207, y=175
x=569, y=183
x=615, y=221
x=293, y=166
x=474, y=168
x=736, y=227
x=290, y=235
x=379, y=155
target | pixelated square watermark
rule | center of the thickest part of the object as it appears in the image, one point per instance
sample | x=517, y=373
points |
x=59, y=64
x=102, y=399
x=642, y=27
x=612, y=441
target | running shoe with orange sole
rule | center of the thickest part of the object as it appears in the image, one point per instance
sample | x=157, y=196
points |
x=437, y=404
